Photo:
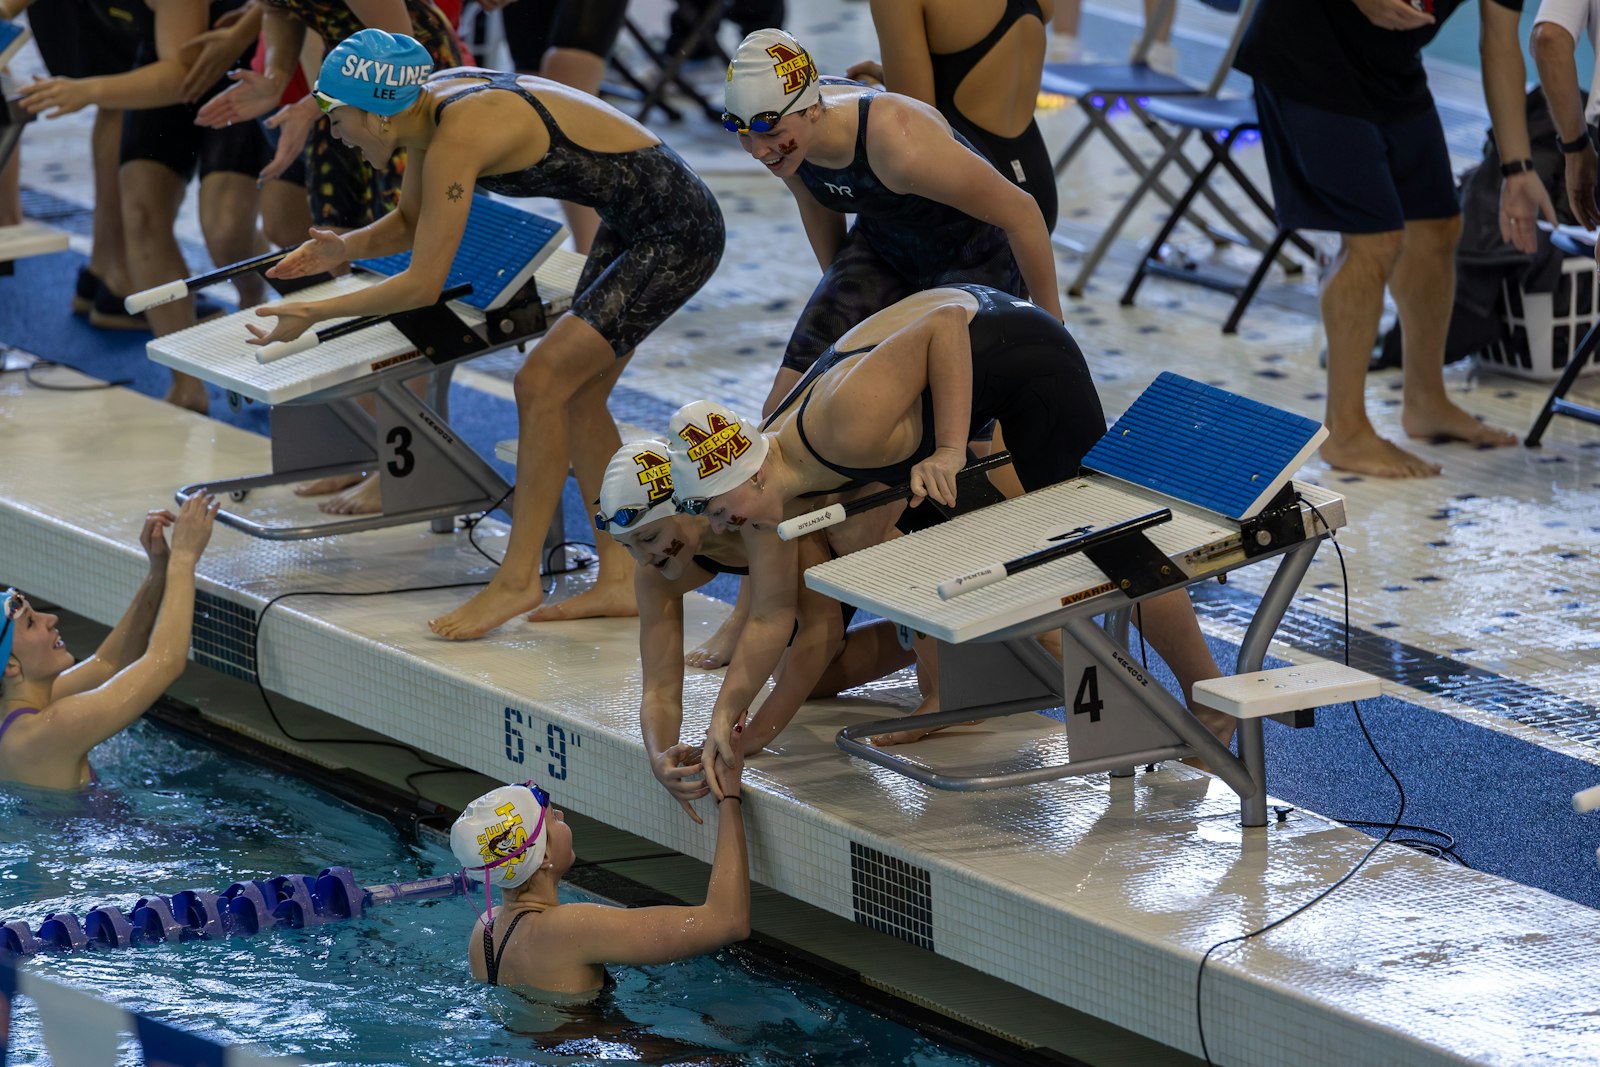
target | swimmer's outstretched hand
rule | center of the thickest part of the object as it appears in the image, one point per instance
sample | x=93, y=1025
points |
x=730, y=771
x=251, y=95
x=324, y=251
x=192, y=530
x=679, y=770
x=153, y=539
x=293, y=320
x=936, y=476
x=294, y=124
x=723, y=752
x=59, y=96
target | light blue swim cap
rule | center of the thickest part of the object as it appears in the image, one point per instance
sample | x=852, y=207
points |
x=373, y=71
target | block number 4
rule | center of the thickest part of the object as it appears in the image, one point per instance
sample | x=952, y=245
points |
x=1087, y=701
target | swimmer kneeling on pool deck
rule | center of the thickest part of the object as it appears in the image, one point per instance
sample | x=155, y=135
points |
x=55, y=711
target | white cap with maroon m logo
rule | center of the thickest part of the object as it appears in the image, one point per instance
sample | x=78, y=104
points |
x=713, y=449
x=767, y=72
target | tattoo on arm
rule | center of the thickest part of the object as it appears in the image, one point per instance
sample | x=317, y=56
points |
x=455, y=192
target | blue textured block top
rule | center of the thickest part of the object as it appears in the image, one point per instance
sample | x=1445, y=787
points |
x=1212, y=448
x=500, y=250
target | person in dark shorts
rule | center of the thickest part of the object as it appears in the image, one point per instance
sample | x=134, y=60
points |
x=162, y=149
x=68, y=51
x=930, y=210
x=895, y=401
x=346, y=190
x=1354, y=146
x=660, y=239
x=568, y=41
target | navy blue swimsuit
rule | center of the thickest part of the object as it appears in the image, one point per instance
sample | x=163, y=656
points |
x=1024, y=158
x=661, y=234
x=900, y=244
x=1027, y=372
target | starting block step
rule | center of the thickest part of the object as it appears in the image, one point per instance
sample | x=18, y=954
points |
x=1263, y=693
x=30, y=238
x=506, y=451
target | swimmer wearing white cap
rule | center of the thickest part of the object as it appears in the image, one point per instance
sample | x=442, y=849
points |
x=514, y=839
x=678, y=553
x=930, y=210
x=52, y=711
x=894, y=402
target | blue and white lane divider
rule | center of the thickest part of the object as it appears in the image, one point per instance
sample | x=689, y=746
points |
x=292, y=901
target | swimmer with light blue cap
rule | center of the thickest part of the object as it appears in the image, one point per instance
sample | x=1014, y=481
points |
x=373, y=71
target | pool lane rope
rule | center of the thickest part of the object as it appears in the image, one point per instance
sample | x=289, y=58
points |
x=290, y=901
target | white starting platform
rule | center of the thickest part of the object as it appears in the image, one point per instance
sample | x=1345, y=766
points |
x=1191, y=482
x=519, y=281
x=1092, y=892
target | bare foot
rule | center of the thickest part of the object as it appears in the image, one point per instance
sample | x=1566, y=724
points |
x=332, y=484
x=363, y=498
x=906, y=737
x=190, y=393
x=1221, y=725
x=718, y=648
x=1451, y=423
x=1370, y=454
x=608, y=600
x=496, y=603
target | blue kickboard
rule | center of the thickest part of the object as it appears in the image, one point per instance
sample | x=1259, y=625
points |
x=500, y=250
x=12, y=37
x=1206, y=446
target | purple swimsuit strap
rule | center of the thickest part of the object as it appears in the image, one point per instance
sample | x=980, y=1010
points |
x=13, y=717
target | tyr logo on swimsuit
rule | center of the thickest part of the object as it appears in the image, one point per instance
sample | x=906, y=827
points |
x=839, y=190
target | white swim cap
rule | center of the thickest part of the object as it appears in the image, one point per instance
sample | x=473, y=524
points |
x=637, y=489
x=771, y=75
x=713, y=449
x=500, y=838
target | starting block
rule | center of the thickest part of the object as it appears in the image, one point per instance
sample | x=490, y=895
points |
x=509, y=281
x=28, y=238
x=1191, y=483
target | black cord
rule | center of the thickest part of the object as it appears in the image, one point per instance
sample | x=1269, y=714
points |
x=381, y=742
x=27, y=370
x=1362, y=862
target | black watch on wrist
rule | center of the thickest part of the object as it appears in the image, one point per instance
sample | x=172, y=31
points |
x=1516, y=166
x=1580, y=143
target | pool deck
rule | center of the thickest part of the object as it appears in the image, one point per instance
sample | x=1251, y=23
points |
x=1099, y=894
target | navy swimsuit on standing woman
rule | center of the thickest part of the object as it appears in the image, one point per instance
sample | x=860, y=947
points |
x=661, y=234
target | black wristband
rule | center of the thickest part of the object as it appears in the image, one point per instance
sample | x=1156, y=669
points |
x=1516, y=166
x=1580, y=143
x=735, y=797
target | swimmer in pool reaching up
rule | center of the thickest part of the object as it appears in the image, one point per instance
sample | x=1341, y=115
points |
x=55, y=711
x=514, y=839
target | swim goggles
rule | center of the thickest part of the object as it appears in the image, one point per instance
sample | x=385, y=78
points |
x=11, y=605
x=622, y=518
x=326, y=103
x=694, y=505
x=540, y=797
x=764, y=122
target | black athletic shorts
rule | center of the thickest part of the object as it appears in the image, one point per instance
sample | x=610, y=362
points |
x=72, y=44
x=535, y=26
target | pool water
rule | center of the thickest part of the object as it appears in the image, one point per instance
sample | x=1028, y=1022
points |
x=389, y=988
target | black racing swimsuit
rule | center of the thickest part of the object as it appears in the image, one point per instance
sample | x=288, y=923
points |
x=900, y=244
x=711, y=566
x=1024, y=158
x=1027, y=372
x=493, y=959
x=661, y=233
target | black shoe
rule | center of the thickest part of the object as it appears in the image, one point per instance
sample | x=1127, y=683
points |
x=111, y=313
x=83, y=295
